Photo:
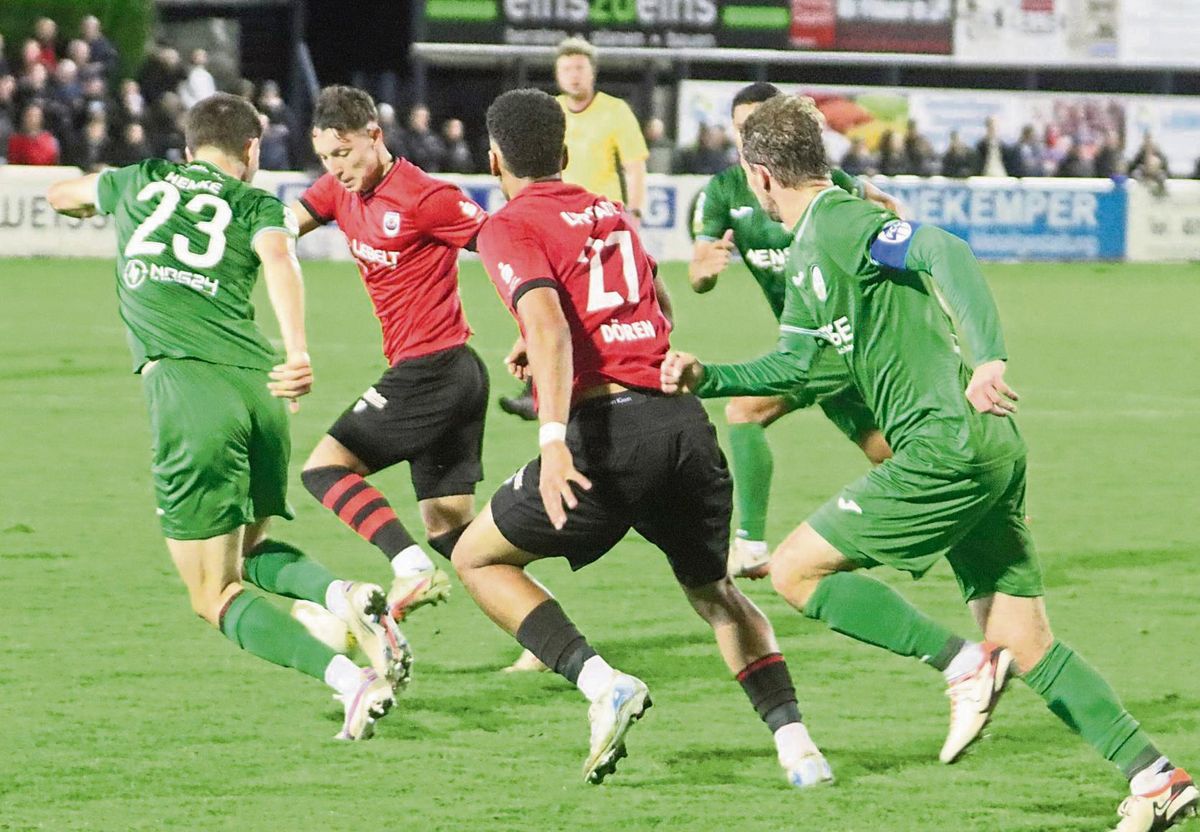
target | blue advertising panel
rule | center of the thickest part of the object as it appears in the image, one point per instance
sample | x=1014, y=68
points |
x=1028, y=219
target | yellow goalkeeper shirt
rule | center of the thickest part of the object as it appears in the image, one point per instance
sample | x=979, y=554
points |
x=601, y=138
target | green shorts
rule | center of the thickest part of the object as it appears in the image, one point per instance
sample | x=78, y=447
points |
x=906, y=513
x=221, y=447
x=831, y=388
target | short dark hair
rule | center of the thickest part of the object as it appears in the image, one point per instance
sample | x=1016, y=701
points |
x=344, y=109
x=529, y=127
x=784, y=136
x=756, y=93
x=223, y=121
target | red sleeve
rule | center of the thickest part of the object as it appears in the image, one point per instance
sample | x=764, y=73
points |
x=320, y=199
x=449, y=215
x=515, y=262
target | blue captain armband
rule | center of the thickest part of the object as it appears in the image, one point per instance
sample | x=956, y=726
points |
x=890, y=246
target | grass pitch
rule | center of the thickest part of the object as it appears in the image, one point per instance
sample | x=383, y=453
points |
x=121, y=711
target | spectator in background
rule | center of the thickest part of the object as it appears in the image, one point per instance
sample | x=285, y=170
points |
x=421, y=145
x=132, y=147
x=994, y=158
x=713, y=152
x=199, y=83
x=959, y=161
x=78, y=52
x=161, y=72
x=1029, y=152
x=274, y=150
x=163, y=124
x=67, y=91
x=1149, y=148
x=1109, y=160
x=858, y=160
x=45, y=32
x=101, y=52
x=34, y=85
x=131, y=104
x=662, y=150
x=1074, y=163
x=893, y=159
x=8, y=110
x=457, y=157
x=1152, y=173
x=5, y=69
x=93, y=149
x=393, y=135
x=95, y=98
x=31, y=56
x=33, y=144
x=922, y=161
x=271, y=102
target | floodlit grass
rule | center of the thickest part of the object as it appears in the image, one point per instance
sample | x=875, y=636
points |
x=121, y=711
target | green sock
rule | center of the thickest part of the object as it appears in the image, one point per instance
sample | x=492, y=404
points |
x=259, y=627
x=282, y=569
x=753, y=466
x=869, y=611
x=1079, y=696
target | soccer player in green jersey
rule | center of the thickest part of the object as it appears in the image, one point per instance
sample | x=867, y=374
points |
x=191, y=238
x=728, y=215
x=870, y=289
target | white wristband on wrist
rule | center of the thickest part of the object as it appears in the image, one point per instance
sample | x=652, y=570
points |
x=552, y=432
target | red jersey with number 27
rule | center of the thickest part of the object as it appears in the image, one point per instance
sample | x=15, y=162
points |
x=559, y=235
x=405, y=234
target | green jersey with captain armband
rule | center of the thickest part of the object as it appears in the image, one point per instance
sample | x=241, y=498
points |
x=866, y=286
x=186, y=264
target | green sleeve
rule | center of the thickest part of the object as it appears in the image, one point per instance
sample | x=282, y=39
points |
x=846, y=182
x=775, y=374
x=272, y=215
x=710, y=220
x=959, y=280
x=111, y=184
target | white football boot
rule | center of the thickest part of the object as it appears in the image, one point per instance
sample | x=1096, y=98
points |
x=807, y=770
x=611, y=717
x=748, y=559
x=377, y=634
x=372, y=700
x=1160, y=809
x=973, y=698
x=411, y=592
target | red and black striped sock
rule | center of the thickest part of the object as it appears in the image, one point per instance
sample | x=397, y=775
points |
x=360, y=506
x=769, y=687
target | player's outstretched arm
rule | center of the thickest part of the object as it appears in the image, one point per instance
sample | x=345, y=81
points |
x=285, y=287
x=548, y=351
x=307, y=221
x=74, y=197
x=773, y=374
x=709, y=259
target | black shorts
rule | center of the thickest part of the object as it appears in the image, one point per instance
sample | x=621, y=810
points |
x=428, y=411
x=655, y=467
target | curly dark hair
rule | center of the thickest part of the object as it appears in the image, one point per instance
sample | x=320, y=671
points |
x=344, y=109
x=528, y=126
x=755, y=93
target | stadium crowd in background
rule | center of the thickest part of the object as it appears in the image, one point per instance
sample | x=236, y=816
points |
x=64, y=101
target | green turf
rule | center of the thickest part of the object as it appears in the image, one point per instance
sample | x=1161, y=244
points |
x=120, y=711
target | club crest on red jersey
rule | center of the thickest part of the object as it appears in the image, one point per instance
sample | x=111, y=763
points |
x=391, y=223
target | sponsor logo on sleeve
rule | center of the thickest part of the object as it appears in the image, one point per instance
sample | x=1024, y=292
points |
x=742, y=212
x=818, y=284
x=470, y=209
x=895, y=232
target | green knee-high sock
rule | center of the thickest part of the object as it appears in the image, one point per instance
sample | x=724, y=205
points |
x=869, y=611
x=753, y=466
x=257, y=626
x=1079, y=696
x=282, y=569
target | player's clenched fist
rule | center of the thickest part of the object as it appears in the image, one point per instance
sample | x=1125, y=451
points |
x=517, y=361
x=987, y=391
x=681, y=372
x=292, y=379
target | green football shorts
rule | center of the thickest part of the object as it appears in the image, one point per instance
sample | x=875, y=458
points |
x=221, y=447
x=909, y=512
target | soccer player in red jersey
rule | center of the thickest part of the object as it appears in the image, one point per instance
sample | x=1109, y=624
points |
x=405, y=230
x=615, y=453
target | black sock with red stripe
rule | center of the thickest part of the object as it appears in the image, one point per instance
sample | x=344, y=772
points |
x=359, y=505
x=769, y=687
